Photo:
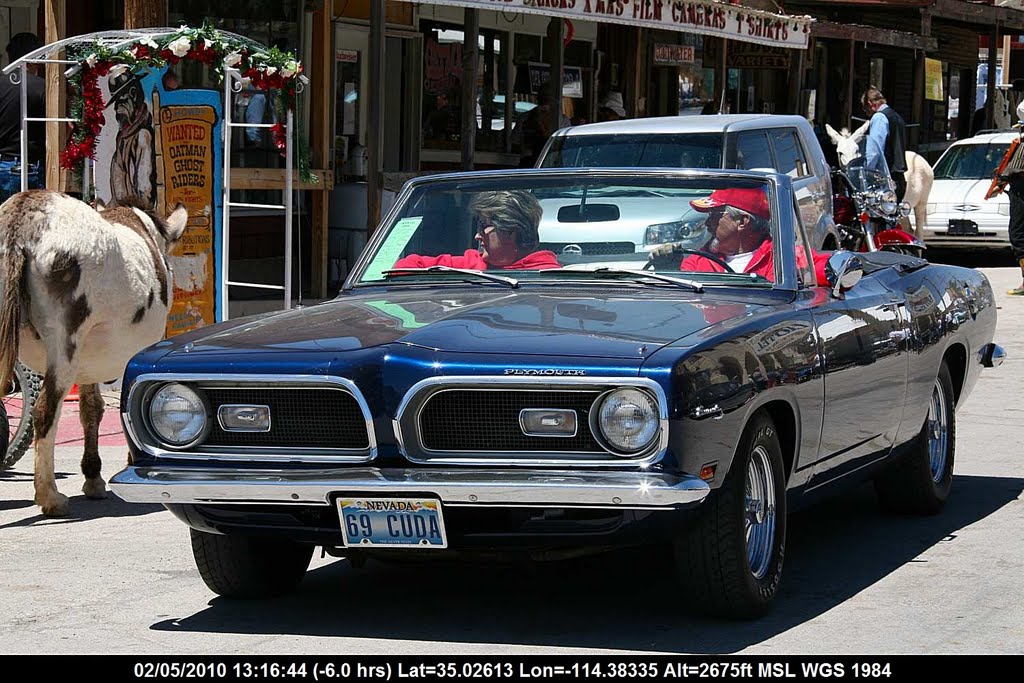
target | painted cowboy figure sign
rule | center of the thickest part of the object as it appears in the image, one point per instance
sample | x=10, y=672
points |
x=84, y=288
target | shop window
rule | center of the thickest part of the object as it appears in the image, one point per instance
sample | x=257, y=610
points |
x=789, y=156
x=442, y=88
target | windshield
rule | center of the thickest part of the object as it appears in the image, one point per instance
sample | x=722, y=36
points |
x=696, y=150
x=970, y=162
x=865, y=179
x=525, y=227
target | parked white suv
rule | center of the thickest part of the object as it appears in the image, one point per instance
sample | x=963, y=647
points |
x=958, y=213
x=786, y=144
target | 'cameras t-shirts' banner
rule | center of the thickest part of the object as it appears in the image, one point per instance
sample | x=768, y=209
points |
x=164, y=146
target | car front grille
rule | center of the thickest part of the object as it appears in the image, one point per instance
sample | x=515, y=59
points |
x=591, y=248
x=481, y=421
x=301, y=417
x=312, y=419
x=475, y=421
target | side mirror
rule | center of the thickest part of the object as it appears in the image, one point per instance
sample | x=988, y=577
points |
x=843, y=270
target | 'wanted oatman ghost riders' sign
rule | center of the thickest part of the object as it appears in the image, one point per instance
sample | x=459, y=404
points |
x=164, y=146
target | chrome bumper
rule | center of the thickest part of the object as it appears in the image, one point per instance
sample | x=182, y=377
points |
x=470, y=487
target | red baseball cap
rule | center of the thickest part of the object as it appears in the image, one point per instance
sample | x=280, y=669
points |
x=753, y=200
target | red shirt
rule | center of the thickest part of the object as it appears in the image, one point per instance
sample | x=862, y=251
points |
x=761, y=263
x=472, y=260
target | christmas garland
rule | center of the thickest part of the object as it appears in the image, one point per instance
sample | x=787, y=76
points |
x=265, y=68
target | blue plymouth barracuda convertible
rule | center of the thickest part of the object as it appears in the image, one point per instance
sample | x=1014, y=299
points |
x=471, y=390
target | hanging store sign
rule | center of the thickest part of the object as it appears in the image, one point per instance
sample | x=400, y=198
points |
x=673, y=55
x=757, y=57
x=933, y=80
x=704, y=17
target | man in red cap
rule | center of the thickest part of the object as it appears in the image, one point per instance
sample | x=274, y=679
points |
x=740, y=220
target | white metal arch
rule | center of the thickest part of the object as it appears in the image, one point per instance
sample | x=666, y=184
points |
x=50, y=54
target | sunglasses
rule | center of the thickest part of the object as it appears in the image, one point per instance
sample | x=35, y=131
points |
x=483, y=223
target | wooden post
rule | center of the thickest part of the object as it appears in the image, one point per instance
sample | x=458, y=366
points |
x=796, y=80
x=723, y=74
x=553, y=50
x=1007, y=47
x=848, y=110
x=470, y=64
x=918, y=113
x=145, y=13
x=320, y=95
x=375, y=117
x=56, y=132
x=990, y=82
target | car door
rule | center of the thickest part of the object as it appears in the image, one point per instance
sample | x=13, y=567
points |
x=865, y=358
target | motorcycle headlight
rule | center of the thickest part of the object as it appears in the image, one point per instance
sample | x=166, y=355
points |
x=177, y=415
x=628, y=421
x=904, y=209
x=889, y=208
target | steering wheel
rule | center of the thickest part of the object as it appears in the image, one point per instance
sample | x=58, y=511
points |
x=669, y=259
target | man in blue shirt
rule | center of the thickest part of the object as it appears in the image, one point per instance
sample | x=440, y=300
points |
x=887, y=139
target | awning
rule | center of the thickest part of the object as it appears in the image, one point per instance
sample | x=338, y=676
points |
x=704, y=17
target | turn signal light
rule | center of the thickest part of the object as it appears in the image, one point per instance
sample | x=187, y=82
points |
x=707, y=473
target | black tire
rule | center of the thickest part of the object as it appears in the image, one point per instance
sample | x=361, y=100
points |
x=712, y=558
x=240, y=566
x=18, y=401
x=920, y=482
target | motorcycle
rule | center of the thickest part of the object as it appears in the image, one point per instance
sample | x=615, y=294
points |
x=867, y=213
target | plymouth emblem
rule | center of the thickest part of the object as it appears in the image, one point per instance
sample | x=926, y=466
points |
x=545, y=372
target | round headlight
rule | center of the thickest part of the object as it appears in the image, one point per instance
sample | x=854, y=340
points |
x=177, y=414
x=628, y=420
x=889, y=208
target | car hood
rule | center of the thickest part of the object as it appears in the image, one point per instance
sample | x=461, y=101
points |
x=971, y=192
x=620, y=321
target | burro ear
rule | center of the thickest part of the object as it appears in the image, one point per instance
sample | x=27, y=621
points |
x=832, y=134
x=176, y=222
x=861, y=132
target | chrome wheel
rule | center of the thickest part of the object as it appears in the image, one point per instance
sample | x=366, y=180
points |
x=938, y=433
x=759, y=507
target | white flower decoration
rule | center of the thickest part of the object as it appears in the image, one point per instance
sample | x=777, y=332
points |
x=148, y=42
x=270, y=70
x=233, y=59
x=91, y=59
x=289, y=69
x=180, y=47
x=118, y=69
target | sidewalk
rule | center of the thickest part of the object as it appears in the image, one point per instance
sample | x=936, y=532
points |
x=69, y=428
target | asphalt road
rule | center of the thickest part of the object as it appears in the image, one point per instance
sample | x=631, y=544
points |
x=119, y=578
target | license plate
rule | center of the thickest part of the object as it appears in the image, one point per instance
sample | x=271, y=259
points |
x=392, y=523
x=959, y=226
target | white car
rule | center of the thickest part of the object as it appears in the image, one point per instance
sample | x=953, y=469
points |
x=958, y=213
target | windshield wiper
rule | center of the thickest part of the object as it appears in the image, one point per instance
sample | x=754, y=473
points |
x=638, y=274
x=511, y=282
